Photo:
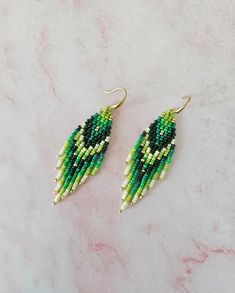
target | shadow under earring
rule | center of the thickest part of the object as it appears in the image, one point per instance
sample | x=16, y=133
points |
x=149, y=159
x=83, y=152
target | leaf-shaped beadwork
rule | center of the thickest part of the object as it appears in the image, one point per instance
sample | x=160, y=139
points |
x=149, y=159
x=83, y=153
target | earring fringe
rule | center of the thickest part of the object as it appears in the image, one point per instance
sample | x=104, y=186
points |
x=82, y=154
x=149, y=159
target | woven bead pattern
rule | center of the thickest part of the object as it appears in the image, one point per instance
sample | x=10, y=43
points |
x=149, y=159
x=83, y=153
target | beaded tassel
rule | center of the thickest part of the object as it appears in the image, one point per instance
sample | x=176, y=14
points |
x=149, y=159
x=83, y=153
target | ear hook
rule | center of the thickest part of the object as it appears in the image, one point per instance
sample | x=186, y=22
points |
x=115, y=106
x=178, y=110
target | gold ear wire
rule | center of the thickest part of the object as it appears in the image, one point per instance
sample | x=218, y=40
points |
x=178, y=110
x=115, y=106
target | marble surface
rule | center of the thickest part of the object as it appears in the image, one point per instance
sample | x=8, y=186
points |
x=56, y=59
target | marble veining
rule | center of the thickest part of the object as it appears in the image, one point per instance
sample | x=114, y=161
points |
x=56, y=59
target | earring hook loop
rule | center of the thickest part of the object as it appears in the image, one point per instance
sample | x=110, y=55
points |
x=178, y=110
x=115, y=106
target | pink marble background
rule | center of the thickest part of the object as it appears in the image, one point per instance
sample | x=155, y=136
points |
x=56, y=59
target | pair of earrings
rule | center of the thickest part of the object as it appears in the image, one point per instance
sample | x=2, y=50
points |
x=83, y=153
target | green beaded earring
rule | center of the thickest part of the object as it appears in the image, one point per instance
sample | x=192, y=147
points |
x=83, y=152
x=149, y=159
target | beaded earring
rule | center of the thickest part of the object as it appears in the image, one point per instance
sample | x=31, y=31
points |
x=83, y=152
x=149, y=159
